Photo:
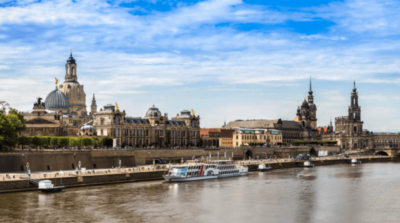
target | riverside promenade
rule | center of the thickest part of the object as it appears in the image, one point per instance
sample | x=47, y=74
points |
x=317, y=161
x=18, y=181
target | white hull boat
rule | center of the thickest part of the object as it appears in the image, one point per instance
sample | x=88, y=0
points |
x=204, y=171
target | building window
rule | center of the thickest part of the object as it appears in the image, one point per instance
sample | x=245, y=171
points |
x=194, y=142
x=102, y=121
x=161, y=133
x=140, y=142
x=147, y=132
x=126, y=132
x=133, y=142
x=101, y=132
x=172, y=133
x=140, y=132
x=117, y=120
x=133, y=132
x=76, y=124
x=193, y=133
x=193, y=124
x=178, y=133
x=117, y=132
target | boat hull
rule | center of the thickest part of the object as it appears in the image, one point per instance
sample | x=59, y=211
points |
x=52, y=190
x=188, y=179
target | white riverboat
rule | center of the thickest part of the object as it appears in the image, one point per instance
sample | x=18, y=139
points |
x=194, y=171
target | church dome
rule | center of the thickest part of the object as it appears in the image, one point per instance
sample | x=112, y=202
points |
x=304, y=105
x=312, y=106
x=153, y=112
x=56, y=100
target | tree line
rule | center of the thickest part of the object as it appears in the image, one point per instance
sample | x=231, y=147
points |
x=45, y=141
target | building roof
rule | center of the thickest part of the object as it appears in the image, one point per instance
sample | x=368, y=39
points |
x=153, y=112
x=56, y=100
x=176, y=123
x=136, y=121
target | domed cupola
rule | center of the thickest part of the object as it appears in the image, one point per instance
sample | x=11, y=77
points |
x=56, y=100
x=153, y=112
x=354, y=88
x=304, y=105
x=71, y=59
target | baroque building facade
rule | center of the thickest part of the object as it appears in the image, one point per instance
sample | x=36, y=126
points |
x=64, y=113
x=154, y=129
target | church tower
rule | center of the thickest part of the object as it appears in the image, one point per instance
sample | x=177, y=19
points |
x=355, y=113
x=70, y=69
x=313, y=108
x=73, y=90
x=93, y=108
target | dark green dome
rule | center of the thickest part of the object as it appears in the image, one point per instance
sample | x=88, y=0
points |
x=71, y=60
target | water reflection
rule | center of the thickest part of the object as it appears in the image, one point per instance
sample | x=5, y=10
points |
x=338, y=193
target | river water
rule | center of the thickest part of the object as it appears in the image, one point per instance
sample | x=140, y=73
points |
x=337, y=193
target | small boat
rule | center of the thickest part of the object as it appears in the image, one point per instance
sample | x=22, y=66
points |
x=264, y=168
x=194, y=171
x=353, y=161
x=46, y=186
x=308, y=164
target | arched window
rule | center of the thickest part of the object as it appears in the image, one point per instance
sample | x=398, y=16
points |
x=117, y=120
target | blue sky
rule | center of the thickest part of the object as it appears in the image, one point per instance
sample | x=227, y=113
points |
x=230, y=59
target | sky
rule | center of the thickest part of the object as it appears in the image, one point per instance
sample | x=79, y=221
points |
x=226, y=59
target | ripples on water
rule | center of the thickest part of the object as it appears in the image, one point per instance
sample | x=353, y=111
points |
x=338, y=193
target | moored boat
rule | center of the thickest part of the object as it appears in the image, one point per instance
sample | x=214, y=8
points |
x=195, y=171
x=46, y=186
x=308, y=164
x=353, y=161
x=264, y=168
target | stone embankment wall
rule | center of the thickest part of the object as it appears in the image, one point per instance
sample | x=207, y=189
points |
x=83, y=180
x=68, y=160
x=64, y=160
x=144, y=157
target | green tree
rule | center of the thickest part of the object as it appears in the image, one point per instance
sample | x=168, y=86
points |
x=87, y=141
x=44, y=141
x=53, y=141
x=63, y=141
x=36, y=141
x=10, y=125
x=23, y=141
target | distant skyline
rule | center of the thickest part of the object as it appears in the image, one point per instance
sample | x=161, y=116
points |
x=227, y=59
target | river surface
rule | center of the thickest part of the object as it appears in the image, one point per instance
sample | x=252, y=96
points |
x=337, y=193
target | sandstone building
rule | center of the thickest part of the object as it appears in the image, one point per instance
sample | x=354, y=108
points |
x=154, y=129
x=349, y=132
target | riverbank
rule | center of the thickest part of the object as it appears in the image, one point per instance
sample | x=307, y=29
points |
x=19, y=182
x=286, y=163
